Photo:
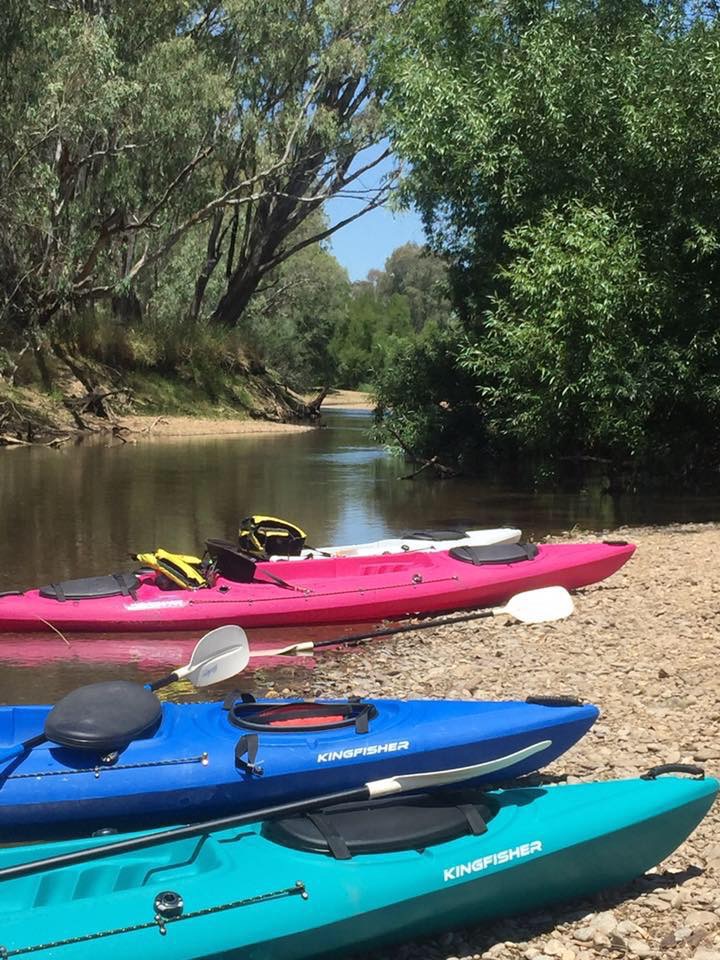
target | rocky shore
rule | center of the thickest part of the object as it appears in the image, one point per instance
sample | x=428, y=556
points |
x=645, y=647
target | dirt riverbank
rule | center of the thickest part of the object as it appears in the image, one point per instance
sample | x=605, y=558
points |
x=644, y=646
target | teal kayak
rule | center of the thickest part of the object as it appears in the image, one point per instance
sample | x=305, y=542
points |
x=350, y=877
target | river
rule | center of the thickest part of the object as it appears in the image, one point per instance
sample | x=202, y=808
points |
x=82, y=510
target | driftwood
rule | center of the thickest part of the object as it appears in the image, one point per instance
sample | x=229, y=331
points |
x=313, y=406
x=441, y=471
x=152, y=426
x=11, y=441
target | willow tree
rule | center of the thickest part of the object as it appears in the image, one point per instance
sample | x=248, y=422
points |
x=565, y=158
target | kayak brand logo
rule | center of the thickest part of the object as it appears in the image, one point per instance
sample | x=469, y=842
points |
x=370, y=751
x=492, y=860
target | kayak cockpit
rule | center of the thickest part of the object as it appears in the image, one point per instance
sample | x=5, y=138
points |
x=384, y=826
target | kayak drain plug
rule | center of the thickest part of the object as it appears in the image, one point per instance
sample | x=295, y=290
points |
x=168, y=906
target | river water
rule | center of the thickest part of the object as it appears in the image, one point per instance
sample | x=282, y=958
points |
x=81, y=510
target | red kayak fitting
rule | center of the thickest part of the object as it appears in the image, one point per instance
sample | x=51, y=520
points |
x=327, y=591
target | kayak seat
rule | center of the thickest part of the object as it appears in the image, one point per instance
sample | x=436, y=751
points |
x=92, y=588
x=383, y=826
x=103, y=717
x=433, y=535
x=302, y=716
x=495, y=553
x=230, y=561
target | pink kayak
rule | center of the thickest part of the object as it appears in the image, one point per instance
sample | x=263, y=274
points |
x=326, y=591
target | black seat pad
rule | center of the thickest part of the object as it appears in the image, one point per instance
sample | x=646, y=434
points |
x=92, y=587
x=103, y=716
x=433, y=535
x=380, y=826
x=496, y=553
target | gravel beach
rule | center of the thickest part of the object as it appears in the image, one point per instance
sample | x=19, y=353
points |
x=645, y=646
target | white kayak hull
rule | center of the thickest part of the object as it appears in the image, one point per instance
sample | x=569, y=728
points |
x=467, y=538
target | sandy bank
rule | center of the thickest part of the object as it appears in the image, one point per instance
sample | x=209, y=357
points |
x=137, y=428
x=348, y=398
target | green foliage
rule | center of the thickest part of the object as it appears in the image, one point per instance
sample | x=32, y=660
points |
x=565, y=160
x=292, y=318
x=426, y=399
x=162, y=164
x=388, y=311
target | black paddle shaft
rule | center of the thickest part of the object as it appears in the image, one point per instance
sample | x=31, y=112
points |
x=408, y=628
x=180, y=833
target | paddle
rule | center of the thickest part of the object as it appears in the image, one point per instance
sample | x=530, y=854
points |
x=217, y=656
x=531, y=606
x=375, y=788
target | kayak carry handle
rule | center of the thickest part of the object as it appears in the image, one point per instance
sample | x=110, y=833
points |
x=555, y=701
x=690, y=768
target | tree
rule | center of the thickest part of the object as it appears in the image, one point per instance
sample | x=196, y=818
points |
x=419, y=275
x=127, y=127
x=563, y=158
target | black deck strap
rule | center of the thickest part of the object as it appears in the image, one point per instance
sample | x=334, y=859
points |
x=323, y=553
x=362, y=723
x=248, y=744
x=232, y=698
x=557, y=701
x=124, y=588
x=336, y=844
x=654, y=772
x=279, y=580
x=59, y=592
x=474, y=818
x=12, y=593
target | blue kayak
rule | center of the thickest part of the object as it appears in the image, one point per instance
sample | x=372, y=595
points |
x=200, y=760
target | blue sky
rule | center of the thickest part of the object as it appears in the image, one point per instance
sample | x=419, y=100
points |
x=367, y=242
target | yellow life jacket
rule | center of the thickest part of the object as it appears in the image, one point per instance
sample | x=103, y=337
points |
x=265, y=536
x=182, y=569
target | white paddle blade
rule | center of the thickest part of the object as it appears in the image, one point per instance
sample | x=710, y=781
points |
x=539, y=606
x=221, y=666
x=217, y=641
x=219, y=655
x=439, y=778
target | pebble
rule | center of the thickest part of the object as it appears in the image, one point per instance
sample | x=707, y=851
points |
x=604, y=923
x=639, y=948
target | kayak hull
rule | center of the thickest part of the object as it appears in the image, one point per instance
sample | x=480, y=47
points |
x=187, y=769
x=338, y=590
x=247, y=896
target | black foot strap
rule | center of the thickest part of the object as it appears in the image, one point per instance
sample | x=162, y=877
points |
x=248, y=745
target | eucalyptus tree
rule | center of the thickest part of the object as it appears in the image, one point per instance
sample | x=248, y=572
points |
x=129, y=126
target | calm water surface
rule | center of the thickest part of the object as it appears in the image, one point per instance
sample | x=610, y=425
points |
x=81, y=511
